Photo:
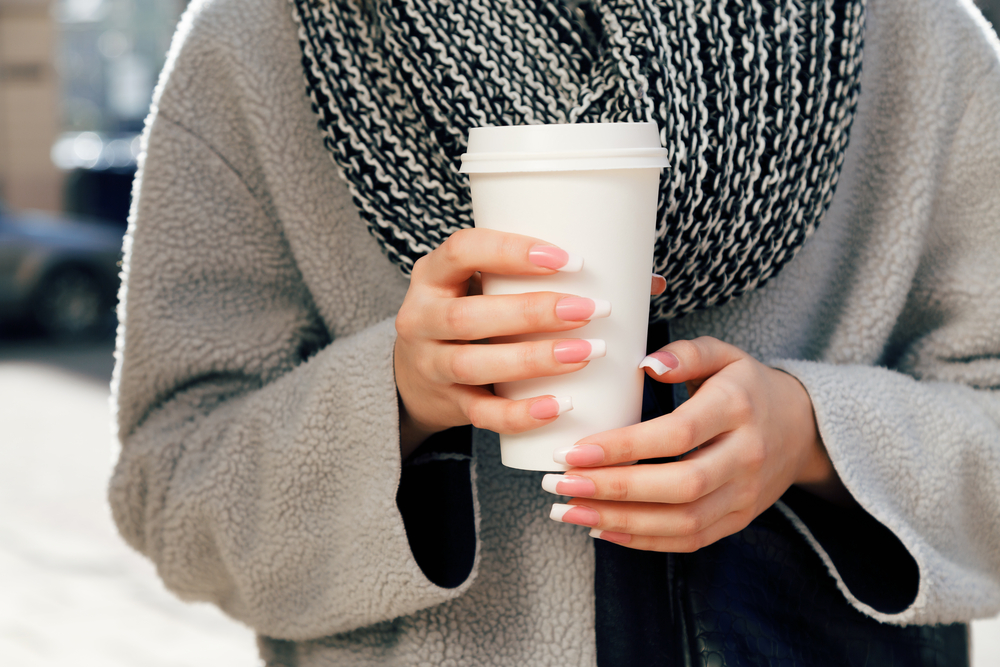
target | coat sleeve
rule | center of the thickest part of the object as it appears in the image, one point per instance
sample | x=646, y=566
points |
x=917, y=440
x=259, y=460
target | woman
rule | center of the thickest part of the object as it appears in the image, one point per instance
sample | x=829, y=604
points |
x=294, y=379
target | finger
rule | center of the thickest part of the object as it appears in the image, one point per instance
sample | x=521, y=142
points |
x=685, y=360
x=696, y=422
x=470, y=250
x=488, y=411
x=658, y=285
x=478, y=317
x=654, y=519
x=726, y=526
x=507, y=362
x=678, y=482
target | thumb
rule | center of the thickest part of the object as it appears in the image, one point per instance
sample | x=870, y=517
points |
x=690, y=360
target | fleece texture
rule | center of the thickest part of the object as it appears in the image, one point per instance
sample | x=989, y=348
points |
x=256, y=405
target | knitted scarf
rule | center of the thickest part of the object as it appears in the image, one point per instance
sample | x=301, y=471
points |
x=754, y=100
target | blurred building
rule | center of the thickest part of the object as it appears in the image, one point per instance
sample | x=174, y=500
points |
x=110, y=54
x=76, y=80
x=30, y=110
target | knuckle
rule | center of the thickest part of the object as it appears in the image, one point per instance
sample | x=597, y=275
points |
x=406, y=322
x=425, y=367
x=740, y=402
x=625, y=450
x=532, y=313
x=476, y=413
x=694, y=486
x=417, y=273
x=690, y=522
x=457, y=244
x=749, y=495
x=625, y=522
x=618, y=488
x=754, y=454
x=456, y=318
x=459, y=366
x=526, y=358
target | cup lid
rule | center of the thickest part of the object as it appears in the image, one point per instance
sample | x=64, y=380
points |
x=559, y=147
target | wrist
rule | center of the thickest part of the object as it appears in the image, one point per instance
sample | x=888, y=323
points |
x=411, y=433
x=816, y=473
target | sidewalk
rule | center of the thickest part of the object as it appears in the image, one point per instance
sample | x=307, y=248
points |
x=73, y=593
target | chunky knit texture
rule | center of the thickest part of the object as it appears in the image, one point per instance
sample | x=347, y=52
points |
x=754, y=98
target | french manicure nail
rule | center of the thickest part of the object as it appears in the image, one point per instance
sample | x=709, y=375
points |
x=660, y=362
x=579, y=349
x=577, y=309
x=579, y=455
x=551, y=257
x=618, y=538
x=575, y=514
x=569, y=485
x=547, y=408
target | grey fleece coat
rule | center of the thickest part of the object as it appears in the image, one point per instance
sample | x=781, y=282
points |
x=256, y=406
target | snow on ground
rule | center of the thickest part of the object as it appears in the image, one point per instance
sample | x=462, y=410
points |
x=73, y=592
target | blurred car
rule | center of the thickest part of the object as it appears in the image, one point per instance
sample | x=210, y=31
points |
x=58, y=273
x=99, y=170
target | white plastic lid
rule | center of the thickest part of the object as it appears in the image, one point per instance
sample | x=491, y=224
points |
x=569, y=147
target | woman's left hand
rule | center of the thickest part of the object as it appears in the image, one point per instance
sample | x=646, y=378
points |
x=746, y=434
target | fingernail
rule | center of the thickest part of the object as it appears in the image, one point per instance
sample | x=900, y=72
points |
x=547, y=408
x=579, y=455
x=569, y=485
x=575, y=514
x=551, y=257
x=618, y=538
x=660, y=362
x=658, y=284
x=577, y=309
x=579, y=349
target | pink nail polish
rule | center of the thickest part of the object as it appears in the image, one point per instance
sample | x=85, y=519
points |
x=579, y=349
x=578, y=309
x=547, y=408
x=551, y=257
x=569, y=485
x=660, y=362
x=575, y=514
x=658, y=284
x=579, y=455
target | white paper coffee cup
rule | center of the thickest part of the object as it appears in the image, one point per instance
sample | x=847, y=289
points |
x=590, y=189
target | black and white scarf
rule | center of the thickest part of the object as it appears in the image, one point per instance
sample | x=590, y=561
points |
x=754, y=98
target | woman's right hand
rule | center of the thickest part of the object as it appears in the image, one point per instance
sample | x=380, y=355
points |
x=444, y=379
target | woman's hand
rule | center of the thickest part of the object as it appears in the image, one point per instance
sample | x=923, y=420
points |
x=746, y=434
x=443, y=379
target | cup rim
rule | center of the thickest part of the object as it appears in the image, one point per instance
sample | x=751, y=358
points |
x=583, y=160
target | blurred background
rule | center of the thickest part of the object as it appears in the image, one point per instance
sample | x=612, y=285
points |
x=76, y=79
